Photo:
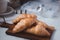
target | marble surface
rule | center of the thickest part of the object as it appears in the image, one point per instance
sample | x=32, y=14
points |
x=50, y=21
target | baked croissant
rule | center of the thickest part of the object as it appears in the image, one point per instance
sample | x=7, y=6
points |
x=38, y=30
x=22, y=16
x=23, y=24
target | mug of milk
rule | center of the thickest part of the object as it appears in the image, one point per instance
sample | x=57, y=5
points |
x=3, y=6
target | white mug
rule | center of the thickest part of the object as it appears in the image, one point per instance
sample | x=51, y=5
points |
x=3, y=6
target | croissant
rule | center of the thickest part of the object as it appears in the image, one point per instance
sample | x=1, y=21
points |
x=38, y=30
x=22, y=16
x=23, y=24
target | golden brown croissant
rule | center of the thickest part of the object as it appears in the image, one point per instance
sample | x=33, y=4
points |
x=23, y=24
x=38, y=30
x=22, y=16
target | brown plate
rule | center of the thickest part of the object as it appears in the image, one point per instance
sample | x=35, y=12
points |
x=28, y=35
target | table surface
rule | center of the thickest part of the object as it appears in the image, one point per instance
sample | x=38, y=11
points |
x=50, y=21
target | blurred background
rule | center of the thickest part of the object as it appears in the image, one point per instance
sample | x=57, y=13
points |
x=47, y=11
